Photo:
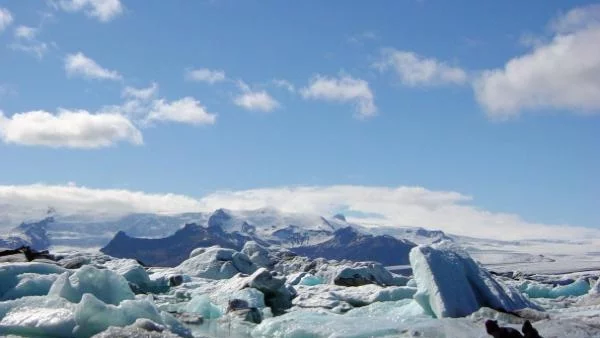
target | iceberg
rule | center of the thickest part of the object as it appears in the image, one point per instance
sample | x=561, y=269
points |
x=93, y=316
x=106, y=285
x=579, y=287
x=216, y=263
x=451, y=284
x=26, y=277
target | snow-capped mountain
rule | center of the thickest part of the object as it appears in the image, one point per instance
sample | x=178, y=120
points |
x=33, y=235
x=352, y=244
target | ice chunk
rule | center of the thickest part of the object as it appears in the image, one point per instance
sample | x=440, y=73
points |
x=30, y=284
x=106, y=285
x=310, y=280
x=451, y=284
x=37, y=316
x=134, y=273
x=329, y=296
x=538, y=290
x=93, y=316
x=202, y=305
x=217, y=263
x=257, y=254
x=9, y=277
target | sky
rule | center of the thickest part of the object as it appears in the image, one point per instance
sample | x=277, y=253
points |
x=479, y=119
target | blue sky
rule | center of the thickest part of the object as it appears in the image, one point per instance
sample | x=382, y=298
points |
x=308, y=93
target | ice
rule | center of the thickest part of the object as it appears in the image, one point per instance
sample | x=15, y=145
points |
x=310, y=280
x=400, y=319
x=340, y=298
x=39, y=321
x=93, y=316
x=217, y=263
x=11, y=275
x=579, y=287
x=106, y=285
x=133, y=272
x=451, y=284
x=37, y=316
x=30, y=284
x=202, y=305
x=257, y=254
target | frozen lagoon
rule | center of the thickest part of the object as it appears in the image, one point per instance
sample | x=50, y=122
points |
x=449, y=295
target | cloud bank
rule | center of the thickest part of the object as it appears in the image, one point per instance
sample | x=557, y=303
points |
x=395, y=206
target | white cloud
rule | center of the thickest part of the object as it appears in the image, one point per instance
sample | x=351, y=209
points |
x=103, y=10
x=577, y=19
x=6, y=18
x=141, y=93
x=561, y=74
x=287, y=85
x=36, y=48
x=80, y=65
x=185, y=110
x=25, y=32
x=256, y=101
x=342, y=89
x=205, y=75
x=398, y=206
x=415, y=70
x=402, y=206
x=29, y=202
x=71, y=129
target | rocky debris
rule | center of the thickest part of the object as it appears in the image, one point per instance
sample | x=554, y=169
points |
x=240, y=308
x=189, y=318
x=74, y=263
x=25, y=254
x=175, y=280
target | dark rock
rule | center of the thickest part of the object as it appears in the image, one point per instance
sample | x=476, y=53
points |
x=492, y=328
x=25, y=254
x=237, y=304
x=175, y=280
x=529, y=331
x=74, y=263
x=252, y=315
x=189, y=318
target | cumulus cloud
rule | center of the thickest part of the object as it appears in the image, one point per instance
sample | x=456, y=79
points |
x=342, y=89
x=205, y=75
x=71, y=129
x=25, y=32
x=6, y=19
x=102, y=10
x=256, y=100
x=562, y=74
x=141, y=93
x=396, y=206
x=81, y=65
x=415, y=70
x=185, y=110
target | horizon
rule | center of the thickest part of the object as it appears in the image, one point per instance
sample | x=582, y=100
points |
x=416, y=113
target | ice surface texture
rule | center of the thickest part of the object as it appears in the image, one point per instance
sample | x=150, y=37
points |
x=451, y=284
